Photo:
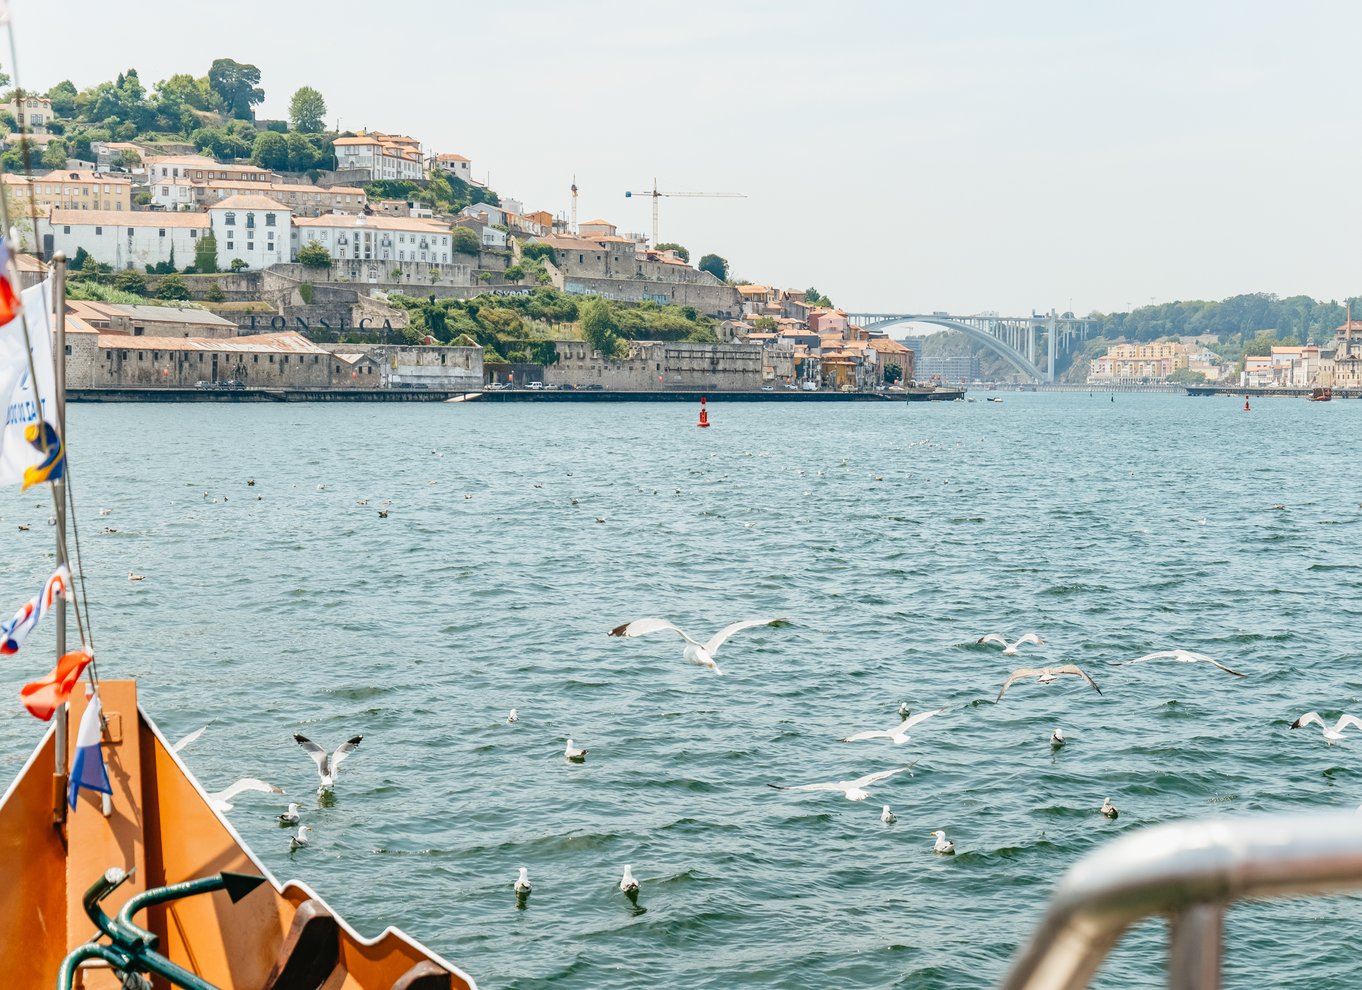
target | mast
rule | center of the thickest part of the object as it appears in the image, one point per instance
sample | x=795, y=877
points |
x=59, y=496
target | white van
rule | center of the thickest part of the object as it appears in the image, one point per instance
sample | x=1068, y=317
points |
x=535, y=385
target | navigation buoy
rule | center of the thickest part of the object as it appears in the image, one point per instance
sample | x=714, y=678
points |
x=1246, y=405
x=704, y=414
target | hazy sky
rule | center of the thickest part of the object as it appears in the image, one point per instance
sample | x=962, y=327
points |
x=904, y=156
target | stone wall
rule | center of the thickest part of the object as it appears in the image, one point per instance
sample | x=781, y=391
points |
x=716, y=300
x=143, y=364
x=659, y=365
x=431, y=367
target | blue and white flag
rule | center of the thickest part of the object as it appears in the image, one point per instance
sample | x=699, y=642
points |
x=87, y=768
x=30, y=450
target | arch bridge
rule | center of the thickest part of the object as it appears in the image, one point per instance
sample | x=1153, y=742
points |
x=1019, y=340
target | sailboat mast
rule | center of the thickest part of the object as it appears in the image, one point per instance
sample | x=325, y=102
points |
x=59, y=493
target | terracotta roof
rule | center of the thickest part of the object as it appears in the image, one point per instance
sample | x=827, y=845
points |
x=77, y=175
x=598, y=222
x=244, y=201
x=128, y=218
x=450, y=158
x=753, y=290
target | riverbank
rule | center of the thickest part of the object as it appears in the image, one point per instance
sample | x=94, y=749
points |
x=235, y=395
x=1269, y=393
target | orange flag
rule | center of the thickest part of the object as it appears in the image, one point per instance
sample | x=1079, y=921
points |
x=43, y=698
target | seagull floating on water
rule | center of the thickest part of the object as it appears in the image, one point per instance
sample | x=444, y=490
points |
x=628, y=883
x=514, y=716
x=328, y=764
x=904, y=712
x=522, y=883
x=105, y=512
x=887, y=816
x=136, y=577
x=697, y=653
x=572, y=754
x=1057, y=739
x=291, y=816
x=222, y=800
x=852, y=790
x=1010, y=648
x=300, y=837
x=1183, y=656
x=943, y=845
x=1045, y=675
x=1109, y=809
x=898, y=733
x=1331, y=735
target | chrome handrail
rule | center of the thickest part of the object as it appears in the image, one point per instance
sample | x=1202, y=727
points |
x=1189, y=872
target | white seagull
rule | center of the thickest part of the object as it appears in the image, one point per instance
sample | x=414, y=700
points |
x=514, y=716
x=1331, y=735
x=943, y=845
x=695, y=652
x=328, y=764
x=291, y=816
x=300, y=837
x=852, y=790
x=1045, y=675
x=1109, y=809
x=628, y=883
x=522, y=883
x=904, y=712
x=189, y=739
x=897, y=732
x=572, y=754
x=1011, y=648
x=222, y=800
x=887, y=816
x=1057, y=739
x=1183, y=656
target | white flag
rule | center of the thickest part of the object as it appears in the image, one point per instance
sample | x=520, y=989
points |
x=21, y=448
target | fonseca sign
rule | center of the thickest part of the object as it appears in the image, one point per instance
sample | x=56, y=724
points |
x=280, y=324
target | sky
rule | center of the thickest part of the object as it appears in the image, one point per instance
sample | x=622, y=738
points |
x=898, y=156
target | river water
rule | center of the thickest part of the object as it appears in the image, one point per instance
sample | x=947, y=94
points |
x=890, y=535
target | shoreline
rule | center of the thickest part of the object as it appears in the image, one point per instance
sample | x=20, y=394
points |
x=508, y=395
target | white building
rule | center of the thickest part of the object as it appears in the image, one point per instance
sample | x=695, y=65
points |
x=454, y=165
x=382, y=156
x=200, y=169
x=256, y=229
x=376, y=238
x=125, y=240
x=302, y=200
x=485, y=212
x=31, y=113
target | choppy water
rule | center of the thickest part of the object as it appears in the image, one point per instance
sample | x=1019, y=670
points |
x=1072, y=516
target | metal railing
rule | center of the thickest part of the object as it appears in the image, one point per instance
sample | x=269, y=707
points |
x=1189, y=872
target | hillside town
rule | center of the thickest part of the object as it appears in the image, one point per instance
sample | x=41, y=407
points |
x=305, y=277
x=1336, y=363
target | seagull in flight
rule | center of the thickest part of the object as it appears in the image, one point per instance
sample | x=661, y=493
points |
x=852, y=790
x=696, y=652
x=897, y=732
x=222, y=800
x=1045, y=675
x=328, y=764
x=1183, y=656
x=1331, y=735
x=189, y=740
x=1010, y=649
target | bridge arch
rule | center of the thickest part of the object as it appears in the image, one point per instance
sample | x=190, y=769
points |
x=1004, y=350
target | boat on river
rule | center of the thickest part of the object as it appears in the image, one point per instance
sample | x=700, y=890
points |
x=150, y=880
x=1324, y=394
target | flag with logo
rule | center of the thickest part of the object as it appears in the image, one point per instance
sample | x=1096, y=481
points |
x=30, y=448
x=87, y=766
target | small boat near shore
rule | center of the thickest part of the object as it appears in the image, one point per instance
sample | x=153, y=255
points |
x=1323, y=394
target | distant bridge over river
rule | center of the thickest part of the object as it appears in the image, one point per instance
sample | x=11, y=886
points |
x=1019, y=340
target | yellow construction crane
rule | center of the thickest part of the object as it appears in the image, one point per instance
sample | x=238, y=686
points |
x=658, y=195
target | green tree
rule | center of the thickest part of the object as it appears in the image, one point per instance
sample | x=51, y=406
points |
x=539, y=252
x=55, y=154
x=215, y=293
x=62, y=95
x=78, y=262
x=206, y=255
x=600, y=328
x=765, y=324
x=128, y=159
x=815, y=298
x=237, y=87
x=271, y=152
x=314, y=255
x=1186, y=376
x=172, y=287
x=239, y=264
x=307, y=110
x=303, y=154
x=466, y=241
x=130, y=280
x=515, y=274
x=677, y=249
x=715, y=265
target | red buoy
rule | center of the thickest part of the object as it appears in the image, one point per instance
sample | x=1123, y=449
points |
x=1246, y=405
x=704, y=415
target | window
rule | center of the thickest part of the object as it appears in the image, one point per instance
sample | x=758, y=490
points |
x=165, y=190
x=250, y=219
x=269, y=219
x=193, y=234
x=230, y=219
x=67, y=229
x=99, y=230
x=231, y=246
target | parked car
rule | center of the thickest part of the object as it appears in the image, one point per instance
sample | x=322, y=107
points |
x=791, y=385
x=809, y=386
x=495, y=386
x=768, y=388
x=594, y=387
x=537, y=386
x=202, y=384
